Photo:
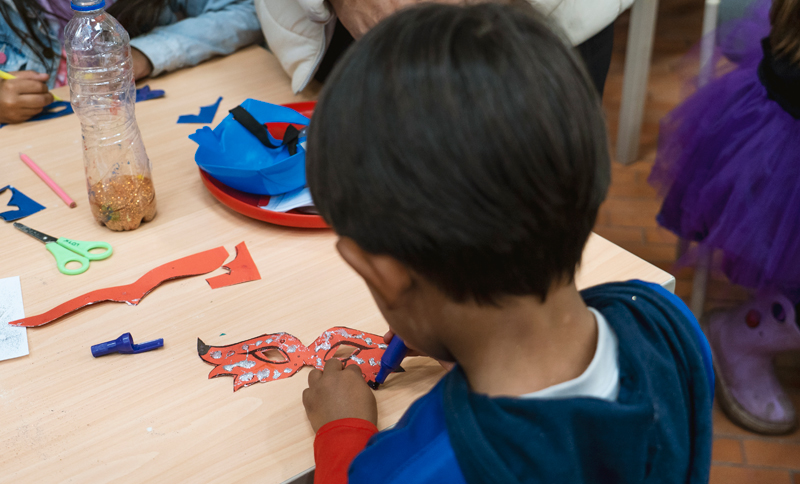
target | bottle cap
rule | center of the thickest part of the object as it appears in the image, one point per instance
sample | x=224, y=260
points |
x=87, y=5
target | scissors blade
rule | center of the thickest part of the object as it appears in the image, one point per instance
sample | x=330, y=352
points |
x=35, y=233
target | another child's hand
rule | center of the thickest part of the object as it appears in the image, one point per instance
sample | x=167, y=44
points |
x=23, y=97
x=337, y=393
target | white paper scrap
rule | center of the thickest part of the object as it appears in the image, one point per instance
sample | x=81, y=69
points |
x=290, y=200
x=13, y=340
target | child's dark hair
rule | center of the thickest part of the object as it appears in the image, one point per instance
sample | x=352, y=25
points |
x=785, y=35
x=466, y=142
x=33, y=18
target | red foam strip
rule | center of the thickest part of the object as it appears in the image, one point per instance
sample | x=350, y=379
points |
x=193, y=265
x=242, y=269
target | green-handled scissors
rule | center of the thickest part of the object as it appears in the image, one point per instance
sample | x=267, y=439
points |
x=68, y=250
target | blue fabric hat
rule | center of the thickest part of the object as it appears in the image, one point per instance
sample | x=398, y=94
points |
x=242, y=154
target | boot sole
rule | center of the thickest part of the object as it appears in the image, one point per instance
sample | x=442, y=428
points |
x=738, y=414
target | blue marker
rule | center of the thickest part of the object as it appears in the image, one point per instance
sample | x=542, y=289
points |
x=124, y=344
x=390, y=361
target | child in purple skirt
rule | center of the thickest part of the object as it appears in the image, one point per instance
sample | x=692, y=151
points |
x=729, y=161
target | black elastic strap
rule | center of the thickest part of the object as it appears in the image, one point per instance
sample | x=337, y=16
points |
x=290, y=139
x=257, y=129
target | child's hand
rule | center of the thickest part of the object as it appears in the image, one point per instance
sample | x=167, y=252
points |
x=142, y=67
x=23, y=97
x=337, y=393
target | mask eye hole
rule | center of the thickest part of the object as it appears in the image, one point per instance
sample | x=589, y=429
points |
x=273, y=355
x=342, y=351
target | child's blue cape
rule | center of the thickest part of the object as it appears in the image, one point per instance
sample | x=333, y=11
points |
x=232, y=154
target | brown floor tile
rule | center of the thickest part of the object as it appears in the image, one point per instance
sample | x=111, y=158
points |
x=796, y=478
x=636, y=190
x=629, y=217
x=727, y=450
x=744, y=475
x=772, y=453
x=628, y=234
x=660, y=236
x=650, y=252
x=723, y=427
x=623, y=178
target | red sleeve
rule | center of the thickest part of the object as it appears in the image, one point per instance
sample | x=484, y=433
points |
x=336, y=445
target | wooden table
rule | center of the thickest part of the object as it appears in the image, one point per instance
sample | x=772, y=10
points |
x=155, y=417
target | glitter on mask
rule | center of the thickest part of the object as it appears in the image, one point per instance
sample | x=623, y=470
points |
x=246, y=377
x=243, y=364
x=216, y=355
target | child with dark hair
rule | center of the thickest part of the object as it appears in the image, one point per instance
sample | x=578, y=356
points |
x=165, y=35
x=729, y=164
x=460, y=154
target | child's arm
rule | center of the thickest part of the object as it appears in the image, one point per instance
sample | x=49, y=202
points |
x=343, y=413
x=214, y=27
x=23, y=97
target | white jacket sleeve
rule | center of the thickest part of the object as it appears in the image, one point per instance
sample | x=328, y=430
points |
x=581, y=19
x=298, y=31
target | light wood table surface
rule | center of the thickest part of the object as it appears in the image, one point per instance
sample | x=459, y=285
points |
x=155, y=417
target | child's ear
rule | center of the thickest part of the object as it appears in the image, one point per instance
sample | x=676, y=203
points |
x=384, y=274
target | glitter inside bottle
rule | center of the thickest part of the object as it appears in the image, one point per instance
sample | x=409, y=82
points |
x=100, y=69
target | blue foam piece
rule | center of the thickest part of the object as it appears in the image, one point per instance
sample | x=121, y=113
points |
x=235, y=157
x=144, y=93
x=206, y=115
x=26, y=205
x=55, y=109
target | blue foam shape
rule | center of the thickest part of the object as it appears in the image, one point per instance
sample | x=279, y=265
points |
x=26, y=205
x=144, y=93
x=206, y=115
x=235, y=157
x=55, y=109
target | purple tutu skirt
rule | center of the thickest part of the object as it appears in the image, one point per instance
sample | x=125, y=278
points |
x=728, y=164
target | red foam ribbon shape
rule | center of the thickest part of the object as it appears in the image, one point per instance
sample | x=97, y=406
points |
x=193, y=265
x=242, y=269
x=276, y=356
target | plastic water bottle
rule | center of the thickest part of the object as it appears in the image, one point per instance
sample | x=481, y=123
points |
x=103, y=95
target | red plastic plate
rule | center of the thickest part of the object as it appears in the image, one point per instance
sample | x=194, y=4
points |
x=249, y=204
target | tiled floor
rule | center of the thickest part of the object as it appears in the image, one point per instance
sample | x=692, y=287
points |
x=628, y=219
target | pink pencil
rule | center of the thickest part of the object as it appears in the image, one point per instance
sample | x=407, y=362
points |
x=50, y=183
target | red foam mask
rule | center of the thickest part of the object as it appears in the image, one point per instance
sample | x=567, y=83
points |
x=276, y=356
